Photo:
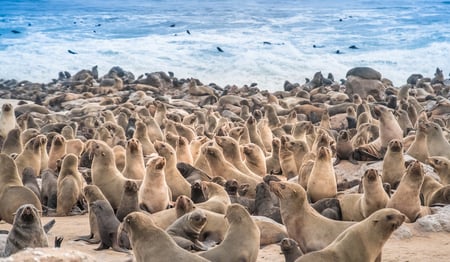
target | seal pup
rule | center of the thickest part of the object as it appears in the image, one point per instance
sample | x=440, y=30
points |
x=134, y=160
x=241, y=241
x=254, y=159
x=304, y=224
x=141, y=134
x=290, y=249
x=273, y=161
x=287, y=159
x=154, y=193
x=217, y=198
x=129, y=201
x=151, y=243
x=29, y=180
x=108, y=225
x=419, y=148
x=70, y=184
x=191, y=173
x=12, y=192
x=232, y=186
x=27, y=231
x=322, y=180
x=393, y=163
x=407, y=197
x=186, y=230
x=363, y=241
x=442, y=167
x=57, y=150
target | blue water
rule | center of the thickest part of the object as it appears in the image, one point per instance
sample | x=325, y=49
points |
x=264, y=41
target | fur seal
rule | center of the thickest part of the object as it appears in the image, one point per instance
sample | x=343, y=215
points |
x=129, y=201
x=242, y=240
x=442, y=167
x=221, y=167
x=273, y=161
x=31, y=155
x=12, y=192
x=134, y=160
x=287, y=158
x=393, y=163
x=186, y=230
x=176, y=182
x=57, y=150
x=437, y=143
x=149, y=242
x=27, y=231
x=290, y=249
x=322, y=180
x=232, y=153
x=7, y=120
x=419, y=148
x=434, y=192
x=92, y=194
x=29, y=180
x=141, y=134
x=344, y=148
x=255, y=159
x=304, y=224
x=232, y=188
x=217, y=198
x=154, y=193
x=105, y=174
x=70, y=184
x=356, y=207
x=264, y=205
x=13, y=142
x=407, y=197
x=191, y=173
x=361, y=242
x=49, y=187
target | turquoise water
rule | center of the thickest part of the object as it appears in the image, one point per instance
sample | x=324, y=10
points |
x=263, y=41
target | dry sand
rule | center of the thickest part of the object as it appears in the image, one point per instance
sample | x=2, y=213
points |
x=421, y=247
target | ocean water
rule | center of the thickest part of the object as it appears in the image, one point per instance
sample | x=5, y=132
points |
x=263, y=41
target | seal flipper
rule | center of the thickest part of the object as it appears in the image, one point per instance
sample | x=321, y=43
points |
x=58, y=241
x=102, y=246
x=47, y=227
x=115, y=246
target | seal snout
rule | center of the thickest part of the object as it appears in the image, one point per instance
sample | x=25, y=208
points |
x=372, y=175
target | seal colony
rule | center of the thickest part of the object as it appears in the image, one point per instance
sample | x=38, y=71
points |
x=222, y=171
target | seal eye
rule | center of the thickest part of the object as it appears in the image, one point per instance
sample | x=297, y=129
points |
x=389, y=217
x=128, y=220
x=282, y=186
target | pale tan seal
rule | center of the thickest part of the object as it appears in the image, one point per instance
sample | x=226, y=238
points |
x=217, y=198
x=287, y=158
x=119, y=156
x=134, y=160
x=304, y=224
x=166, y=217
x=31, y=155
x=253, y=133
x=419, y=148
x=434, y=192
x=232, y=153
x=242, y=240
x=13, y=142
x=442, y=167
x=356, y=207
x=57, y=150
x=393, y=163
x=150, y=242
x=105, y=174
x=177, y=184
x=183, y=150
x=70, y=184
x=12, y=192
x=322, y=180
x=220, y=167
x=7, y=120
x=436, y=141
x=363, y=241
x=407, y=197
x=273, y=161
x=141, y=134
x=154, y=193
x=254, y=159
